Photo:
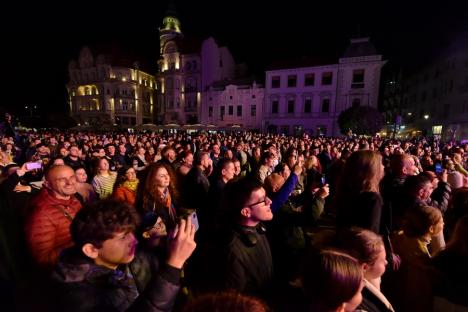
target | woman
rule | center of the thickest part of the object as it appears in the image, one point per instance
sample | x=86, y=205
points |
x=358, y=201
x=83, y=188
x=421, y=225
x=369, y=250
x=139, y=161
x=332, y=281
x=126, y=185
x=104, y=179
x=158, y=194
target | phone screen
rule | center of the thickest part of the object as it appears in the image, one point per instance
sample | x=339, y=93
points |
x=438, y=168
x=195, y=220
x=33, y=165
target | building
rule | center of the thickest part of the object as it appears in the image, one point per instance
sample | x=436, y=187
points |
x=187, y=67
x=308, y=96
x=435, y=97
x=233, y=103
x=100, y=92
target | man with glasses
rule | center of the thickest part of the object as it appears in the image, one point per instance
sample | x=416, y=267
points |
x=53, y=209
x=249, y=267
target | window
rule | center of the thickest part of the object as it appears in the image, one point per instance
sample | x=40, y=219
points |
x=222, y=112
x=231, y=110
x=275, y=81
x=356, y=102
x=423, y=96
x=230, y=97
x=292, y=81
x=274, y=107
x=327, y=78
x=358, y=79
x=253, y=96
x=309, y=80
x=290, y=106
x=325, y=105
x=239, y=110
x=108, y=91
x=253, y=110
x=308, y=105
x=220, y=62
x=124, y=105
x=210, y=111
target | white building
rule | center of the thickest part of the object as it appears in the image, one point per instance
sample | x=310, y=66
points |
x=309, y=99
x=100, y=92
x=233, y=103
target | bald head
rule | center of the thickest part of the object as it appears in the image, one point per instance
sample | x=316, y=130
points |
x=61, y=180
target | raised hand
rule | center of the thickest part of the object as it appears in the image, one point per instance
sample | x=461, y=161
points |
x=181, y=243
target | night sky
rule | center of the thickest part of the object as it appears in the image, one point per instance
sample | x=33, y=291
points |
x=39, y=40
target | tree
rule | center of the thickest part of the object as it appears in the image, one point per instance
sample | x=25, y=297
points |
x=360, y=120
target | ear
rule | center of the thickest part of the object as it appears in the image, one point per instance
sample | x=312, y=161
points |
x=420, y=192
x=431, y=229
x=365, y=267
x=341, y=308
x=245, y=212
x=90, y=251
x=146, y=235
x=46, y=184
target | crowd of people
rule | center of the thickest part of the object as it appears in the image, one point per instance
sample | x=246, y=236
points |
x=240, y=221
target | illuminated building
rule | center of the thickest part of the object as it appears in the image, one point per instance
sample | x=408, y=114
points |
x=100, y=92
x=309, y=95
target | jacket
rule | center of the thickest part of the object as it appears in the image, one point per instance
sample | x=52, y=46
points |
x=48, y=229
x=249, y=266
x=138, y=286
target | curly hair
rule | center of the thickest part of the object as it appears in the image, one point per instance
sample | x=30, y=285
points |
x=148, y=192
x=99, y=222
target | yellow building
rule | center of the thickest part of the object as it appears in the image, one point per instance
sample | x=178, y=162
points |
x=105, y=92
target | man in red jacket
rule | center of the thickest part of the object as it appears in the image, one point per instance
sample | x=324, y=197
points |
x=54, y=208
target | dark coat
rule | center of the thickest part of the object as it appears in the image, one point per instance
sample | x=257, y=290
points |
x=363, y=210
x=372, y=303
x=138, y=286
x=249, y=266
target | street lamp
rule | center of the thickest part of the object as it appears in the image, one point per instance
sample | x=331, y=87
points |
x=426, y=117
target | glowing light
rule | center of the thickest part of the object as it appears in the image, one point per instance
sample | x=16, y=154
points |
x=426, y=116
x=124, y=79
x=409, y=114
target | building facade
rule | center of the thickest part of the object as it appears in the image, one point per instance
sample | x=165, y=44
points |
x=186, y=69
x=435, y=96
x=233, y=103
x=309, y=99
x=100, y=93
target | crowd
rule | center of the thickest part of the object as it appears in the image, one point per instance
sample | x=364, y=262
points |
x=94, y=221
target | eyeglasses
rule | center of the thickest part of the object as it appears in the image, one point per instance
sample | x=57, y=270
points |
x=265, y=201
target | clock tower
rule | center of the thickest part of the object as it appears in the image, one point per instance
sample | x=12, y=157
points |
x=170, y=29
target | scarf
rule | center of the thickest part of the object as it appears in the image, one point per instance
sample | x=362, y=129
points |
x=131, y=185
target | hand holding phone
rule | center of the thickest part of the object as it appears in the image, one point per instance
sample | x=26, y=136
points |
x=438, y=168
x=194, y=218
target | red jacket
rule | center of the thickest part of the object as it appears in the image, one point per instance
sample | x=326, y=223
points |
x=48, y=229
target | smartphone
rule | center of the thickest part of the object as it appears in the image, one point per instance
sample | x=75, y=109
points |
x=323, y=180
x=438, y=168
x=33, y=165
x=195, y=220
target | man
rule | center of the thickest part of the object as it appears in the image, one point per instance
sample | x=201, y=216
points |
x=197, y=184
x=249, y=267
x=73, y=158
x=54, y=208
x=105, y=272
x=6, y=127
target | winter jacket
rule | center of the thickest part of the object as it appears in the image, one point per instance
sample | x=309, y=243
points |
x=48, y=228
x=138, y=286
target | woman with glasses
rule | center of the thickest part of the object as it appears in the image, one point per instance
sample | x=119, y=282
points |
x=126, y=185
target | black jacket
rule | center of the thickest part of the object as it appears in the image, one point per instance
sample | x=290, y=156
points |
x=249, y=266
x=138, y=286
